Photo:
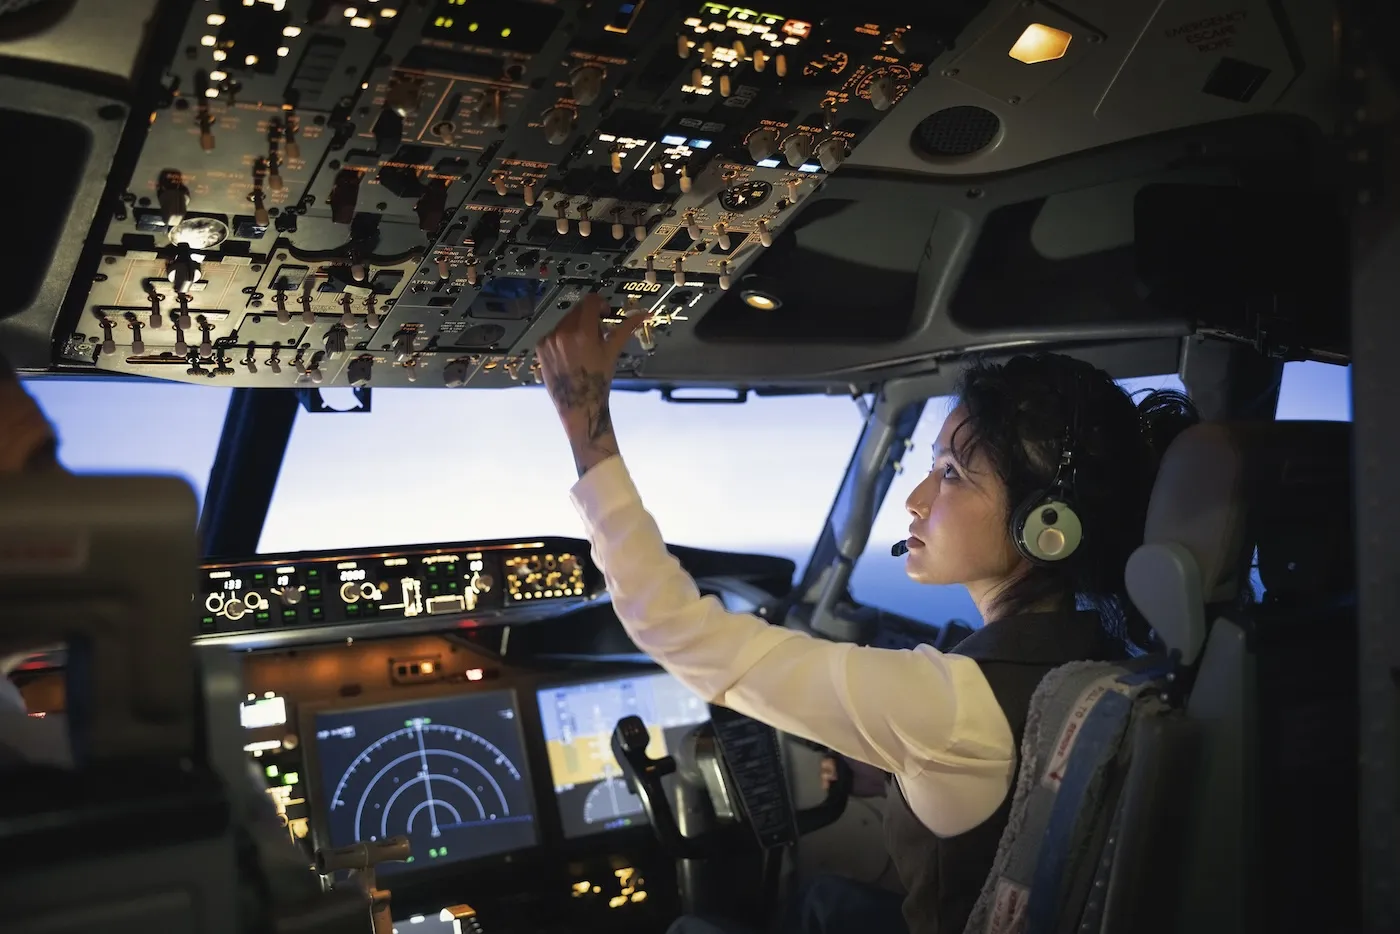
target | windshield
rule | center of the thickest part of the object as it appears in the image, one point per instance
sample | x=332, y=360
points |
x=441, y=465
x=121, y=426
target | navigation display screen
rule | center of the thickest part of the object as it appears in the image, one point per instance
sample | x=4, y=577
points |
x=449, y=773
x=578, y=723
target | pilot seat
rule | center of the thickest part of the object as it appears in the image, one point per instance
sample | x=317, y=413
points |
x=1227, y=800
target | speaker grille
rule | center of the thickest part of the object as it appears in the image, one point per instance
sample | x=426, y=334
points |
x=956, y=131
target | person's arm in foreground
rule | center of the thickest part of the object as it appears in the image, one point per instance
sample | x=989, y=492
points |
x=906, y=712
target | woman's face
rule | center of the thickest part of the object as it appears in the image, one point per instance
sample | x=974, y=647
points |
x=958, y=532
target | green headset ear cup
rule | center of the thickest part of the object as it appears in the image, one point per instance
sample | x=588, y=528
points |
x=1047, y=530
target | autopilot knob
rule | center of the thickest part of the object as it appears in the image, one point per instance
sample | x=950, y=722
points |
x=831, y=153
x=763, y=144
x=484, y=583
x=568, y=565
x=290, y=596
x=558, y=123
x=587, y=83
x=797, y=149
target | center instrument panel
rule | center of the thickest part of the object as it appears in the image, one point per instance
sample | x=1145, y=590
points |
x=400, y=192
x=284, y=599
x=501, y=777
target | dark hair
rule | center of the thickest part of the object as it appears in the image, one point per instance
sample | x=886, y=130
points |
x=1019, y=415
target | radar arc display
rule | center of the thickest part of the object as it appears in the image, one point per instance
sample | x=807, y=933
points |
x=449, y=774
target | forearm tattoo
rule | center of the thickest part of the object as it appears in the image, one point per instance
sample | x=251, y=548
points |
x=586, y=394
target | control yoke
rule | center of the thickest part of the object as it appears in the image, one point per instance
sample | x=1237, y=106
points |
x=754, y=788
x=360, y=859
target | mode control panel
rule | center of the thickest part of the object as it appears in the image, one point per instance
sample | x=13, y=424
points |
x=467, y=581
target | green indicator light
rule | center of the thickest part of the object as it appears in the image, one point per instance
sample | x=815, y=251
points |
x=272, y=771
x=291, y=778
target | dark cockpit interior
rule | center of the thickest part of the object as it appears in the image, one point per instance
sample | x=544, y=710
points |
x=301, y=204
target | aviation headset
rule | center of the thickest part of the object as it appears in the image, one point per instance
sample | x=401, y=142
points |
x=1046, y=528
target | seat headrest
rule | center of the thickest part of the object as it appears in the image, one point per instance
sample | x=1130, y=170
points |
x=1198, y=503
x=1225, y=489
x=1284, y=487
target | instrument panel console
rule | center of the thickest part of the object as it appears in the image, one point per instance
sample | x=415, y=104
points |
x=502, y=777
x=281, y=599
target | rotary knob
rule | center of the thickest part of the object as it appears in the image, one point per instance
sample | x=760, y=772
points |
x=235, y=609
x=568, y=564
x=290, y=596
x=558, y=124
x=831, y=153
x=882, y=92
x=763, y=144
x=587, y=83
x=335, y=340
x=484, y=583
x=797, y=149
x=183, y=273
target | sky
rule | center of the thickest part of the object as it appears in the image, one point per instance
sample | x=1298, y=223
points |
x=437, y=465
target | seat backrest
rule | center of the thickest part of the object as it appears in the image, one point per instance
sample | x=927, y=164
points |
x=1223, y=802
x=1103, y=747
x=147, y=827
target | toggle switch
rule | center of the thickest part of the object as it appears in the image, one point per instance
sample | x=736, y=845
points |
x=658, y=176
x=724, y=281
x=678, y=274
x=109, y=343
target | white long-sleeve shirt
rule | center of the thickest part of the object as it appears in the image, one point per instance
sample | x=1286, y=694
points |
x=928, y=718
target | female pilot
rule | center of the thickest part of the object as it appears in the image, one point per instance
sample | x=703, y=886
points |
x=946, y=726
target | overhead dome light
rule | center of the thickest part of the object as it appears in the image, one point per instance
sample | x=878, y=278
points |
x=1040, y=43
x=760, y=301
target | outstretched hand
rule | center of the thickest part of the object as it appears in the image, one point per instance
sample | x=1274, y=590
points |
x=578, y=362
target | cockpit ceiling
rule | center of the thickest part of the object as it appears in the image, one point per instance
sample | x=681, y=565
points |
x=320, y=195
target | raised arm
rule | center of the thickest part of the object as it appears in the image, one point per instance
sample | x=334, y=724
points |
x=907, y=712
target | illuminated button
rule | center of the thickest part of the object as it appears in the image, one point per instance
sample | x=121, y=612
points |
x=317, y=614
x=313, y=574
x=433, y=570
x=352, y=609
x=207, y=624
x=449, y=569
x=313, y=594
x=370, y=609
x=289, y=615
x=262, y=617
